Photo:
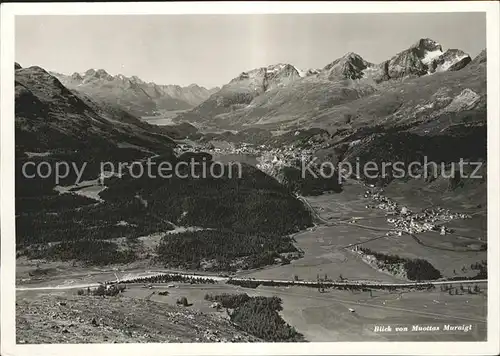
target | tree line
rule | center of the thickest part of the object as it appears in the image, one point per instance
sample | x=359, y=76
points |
x=416, y=269
x=258, y=316
x=166, y=278
x=227, y=249
x=93, y=252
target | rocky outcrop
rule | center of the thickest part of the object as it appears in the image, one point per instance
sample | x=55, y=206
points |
x=451, y=60
x=466, y=100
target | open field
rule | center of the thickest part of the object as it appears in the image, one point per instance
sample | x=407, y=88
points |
x=53, y=274
x=325, y=316
x=323, y=254
x=324, y=245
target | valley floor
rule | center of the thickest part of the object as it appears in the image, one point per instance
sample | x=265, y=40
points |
x=319, y=316
x=325, y=245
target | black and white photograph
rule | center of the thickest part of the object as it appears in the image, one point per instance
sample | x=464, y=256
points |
x=266, y=180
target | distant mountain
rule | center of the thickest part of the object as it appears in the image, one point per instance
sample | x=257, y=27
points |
x=133, y=94
x=192, y=94
x=282, y=96
x=241, y=90
x=50, y=116
x=266, y=78
x=424, y=57
x=350, y=66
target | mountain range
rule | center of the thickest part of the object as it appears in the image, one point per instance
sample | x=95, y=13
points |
x=138, y=97
x=421, y=89
x=49, y=116
x=348, y=91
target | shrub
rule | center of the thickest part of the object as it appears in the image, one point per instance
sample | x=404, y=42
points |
x=183, y=301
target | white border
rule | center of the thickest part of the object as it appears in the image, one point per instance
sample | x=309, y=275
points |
x=8, y=346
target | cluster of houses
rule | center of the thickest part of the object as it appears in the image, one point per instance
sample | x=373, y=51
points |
x=243, y=149
x=184, y=147
x=285, y=156
x=405, y=221
x=267, y=156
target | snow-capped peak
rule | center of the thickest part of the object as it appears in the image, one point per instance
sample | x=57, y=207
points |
x=428, y=50
x=429, y=56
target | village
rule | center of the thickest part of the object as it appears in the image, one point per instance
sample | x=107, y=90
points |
x=268, y=158
x=281, y=157
x=229, y=149
x=405, y=221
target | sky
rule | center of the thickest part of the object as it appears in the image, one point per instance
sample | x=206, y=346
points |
x=210, y=50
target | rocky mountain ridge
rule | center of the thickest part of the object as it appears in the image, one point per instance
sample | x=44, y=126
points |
x=281, y=93
x=50, y=116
